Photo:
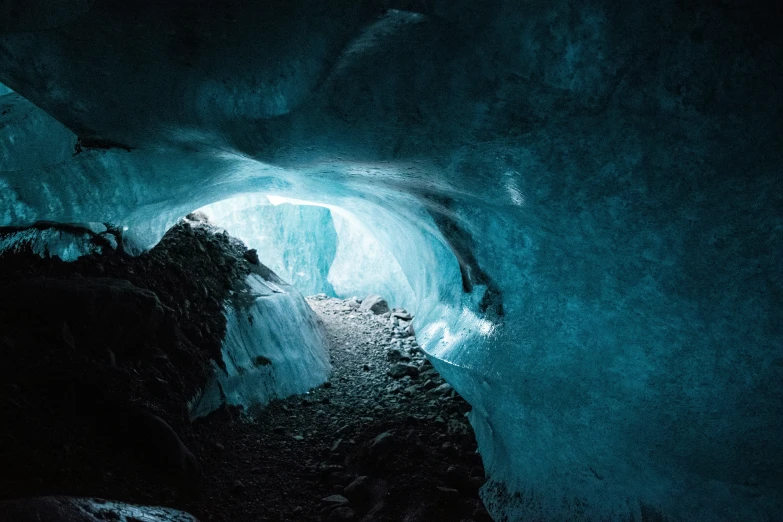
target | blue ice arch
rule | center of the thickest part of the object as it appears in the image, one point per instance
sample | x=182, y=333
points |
x=585, y=199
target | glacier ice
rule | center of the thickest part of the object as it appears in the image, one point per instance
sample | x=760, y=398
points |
x=274, y=347
x=585, y=200
x=297, y=242
x=318, y=249
x=29, y=137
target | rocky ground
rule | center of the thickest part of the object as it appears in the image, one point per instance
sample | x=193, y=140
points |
x=100, y=356
x=386, y=439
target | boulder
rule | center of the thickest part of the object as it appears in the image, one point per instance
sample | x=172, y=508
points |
x=400, y=370
x=375, y=304
x=252, y=256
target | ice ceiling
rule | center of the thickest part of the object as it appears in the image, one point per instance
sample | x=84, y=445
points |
x=585, y=199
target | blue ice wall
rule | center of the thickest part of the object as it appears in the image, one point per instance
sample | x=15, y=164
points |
x=274, y=347
x=30, y=138
x=584, y=198
x=297, y=242
x=317, y=248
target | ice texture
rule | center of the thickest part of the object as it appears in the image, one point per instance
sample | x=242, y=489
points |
x=274, y=347
x=318, y=249
x=585, y=199
x=29, y=137
x=297, y=242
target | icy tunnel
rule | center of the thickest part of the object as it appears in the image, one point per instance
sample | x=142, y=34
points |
x=585, y=201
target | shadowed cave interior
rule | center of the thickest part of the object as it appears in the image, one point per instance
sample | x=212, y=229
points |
x=387, y=260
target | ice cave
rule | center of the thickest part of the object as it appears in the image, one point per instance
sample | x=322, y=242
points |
x=560, y=224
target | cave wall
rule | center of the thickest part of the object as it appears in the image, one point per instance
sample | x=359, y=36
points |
x=589, y=194
x=318, y=249
x=273, y=348
x=297, y=242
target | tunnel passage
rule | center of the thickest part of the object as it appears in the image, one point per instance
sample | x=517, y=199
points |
x=130, y=368
x=614, y=169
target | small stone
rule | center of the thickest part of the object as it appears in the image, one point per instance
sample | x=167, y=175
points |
x=381, y=445
x=441, y=390
x=400, y=370
x=409, y=331
x=298, y=438
x=456, y=428
x=342, y=514
x=429, y=385
x=335, y=500
x=395, y=355
x=450, y=449
x=219, y=446
x=279, y=430
x=447, y=493
x=401, y=314
x=337, y=445
x=358, y=490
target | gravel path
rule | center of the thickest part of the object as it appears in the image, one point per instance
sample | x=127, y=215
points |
x=365, y=446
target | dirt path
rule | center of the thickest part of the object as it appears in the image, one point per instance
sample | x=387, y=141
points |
x=392, y=448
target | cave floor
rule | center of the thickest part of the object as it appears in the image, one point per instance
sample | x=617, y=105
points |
x=408, y=436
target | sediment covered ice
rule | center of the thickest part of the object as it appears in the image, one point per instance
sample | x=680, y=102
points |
x=67, y=241
x=274, y=347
